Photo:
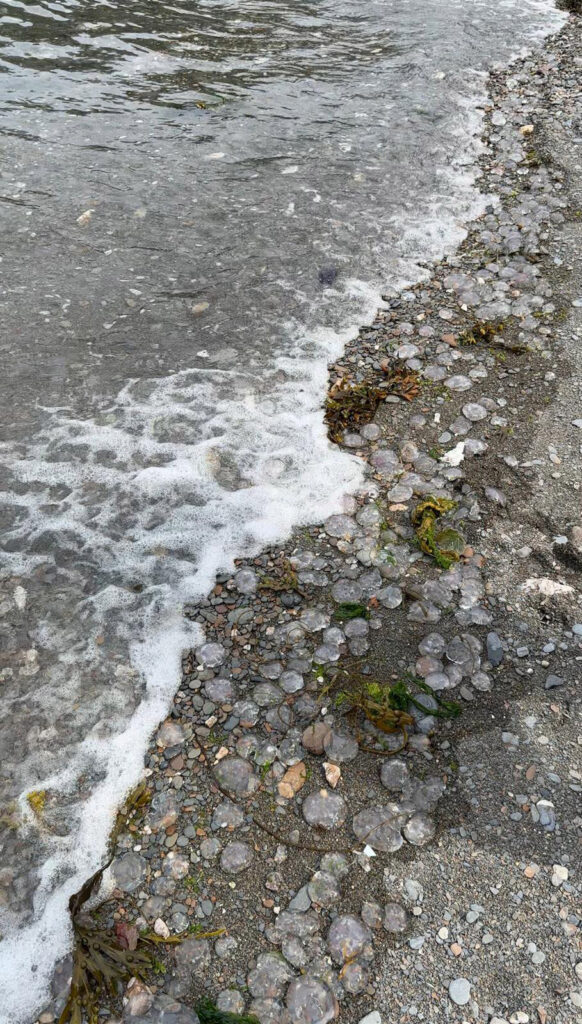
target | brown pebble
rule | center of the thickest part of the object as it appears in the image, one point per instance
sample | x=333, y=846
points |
x=314, y=737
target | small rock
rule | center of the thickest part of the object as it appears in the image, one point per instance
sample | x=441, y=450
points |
x=494, y=649
x=552, y=682
x=310, y=1001
x=395, y=918
x=348, y=937
x=559, y=875
x=460, y=991
x=292, y=781
x=328, y=810
x=314, y=736
x=236, y=857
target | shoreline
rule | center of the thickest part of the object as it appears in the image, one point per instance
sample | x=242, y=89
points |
x=358, y=599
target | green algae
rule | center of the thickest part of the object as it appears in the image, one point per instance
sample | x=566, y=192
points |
x=445, y=545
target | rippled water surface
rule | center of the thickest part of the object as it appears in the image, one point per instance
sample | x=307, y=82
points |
x=200, y=201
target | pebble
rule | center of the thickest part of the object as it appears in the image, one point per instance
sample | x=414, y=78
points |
x=395, y=918
x=348, y=937
x=236, y=857
x=460, y=991
x=324, y=809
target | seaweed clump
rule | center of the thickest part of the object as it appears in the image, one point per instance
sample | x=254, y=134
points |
x=351, y=610
x=210, y=1014
x=387, y=705
x=482, y=331
x=105, y=960
x=445, y=545
x=352, y=404
x=37, y=801
x=100, y=963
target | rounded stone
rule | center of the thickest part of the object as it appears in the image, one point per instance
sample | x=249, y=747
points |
x=341, y=526
x=163, y=811
x=390, y=597
x=458, y=382
x=291, y=682
x=193, y=956
x=371, y=432
x=433, y=644
x=267, y=695
x=129, y=872
x=460, y=991
x=269, y=978
x=356, y=628
x=326, y=653
x=271, y=670
x=394, y=774
x=377, y=827
x=427, y=664
x=230, y=1001
x=219, y=690
x=209, y=848
x=310, y=1001
x=294, y=951
x=340, y=746
x=354, y=978
x=428, y=793
x=420, y=829
x=458, y=652
x=236, y=857
x=314, y=736
x=372, y=914
x=247, y=712
x=395, y=918
x=266, y=1011
x=235, y=775
x=347, y=592
x=211, y=655
x=226, y=815
x=323, y=889
x=474, y=412
x=324, y=809
x=348, y=938
x=437, y=681
x=170, y=734
x=314, y=619
x=245, y=581
x=336, y=864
